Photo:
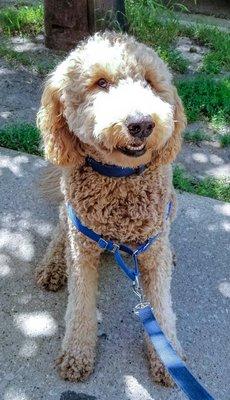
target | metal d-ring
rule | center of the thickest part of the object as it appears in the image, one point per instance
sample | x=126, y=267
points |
x=115, y=247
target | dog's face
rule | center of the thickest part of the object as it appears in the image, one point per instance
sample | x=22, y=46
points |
x=116, y=99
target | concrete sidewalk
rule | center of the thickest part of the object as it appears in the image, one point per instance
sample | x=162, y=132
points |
x=32, y=321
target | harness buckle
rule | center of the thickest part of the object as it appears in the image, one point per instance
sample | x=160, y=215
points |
x=102, y=243
x=105, y=245
x=115, y=248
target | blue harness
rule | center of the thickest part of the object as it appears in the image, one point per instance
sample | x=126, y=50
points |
x=173, y=363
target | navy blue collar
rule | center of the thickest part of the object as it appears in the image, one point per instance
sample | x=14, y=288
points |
x=113, y=171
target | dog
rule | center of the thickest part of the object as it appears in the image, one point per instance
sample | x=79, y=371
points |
x=112, y=99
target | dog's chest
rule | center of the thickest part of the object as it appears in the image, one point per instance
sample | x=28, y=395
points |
x=125, y=209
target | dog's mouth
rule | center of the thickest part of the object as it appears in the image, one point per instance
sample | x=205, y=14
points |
x=134, y=149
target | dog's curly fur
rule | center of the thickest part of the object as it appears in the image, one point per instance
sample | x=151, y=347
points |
x=79, y=118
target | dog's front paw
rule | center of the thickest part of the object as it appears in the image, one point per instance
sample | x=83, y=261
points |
x=160, y=374
x=50, y=278
x=158, y=371
x=75, y=367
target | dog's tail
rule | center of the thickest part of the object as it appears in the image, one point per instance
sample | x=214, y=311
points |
x=49, y=184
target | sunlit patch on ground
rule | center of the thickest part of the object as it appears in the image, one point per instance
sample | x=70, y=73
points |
x=36, y=324
x=15, y=165
x=224, y=288
x=135, y=390
x=17, y=243
x=4, y=267
x=12, y=393
x=223, y=209
x=28, y=349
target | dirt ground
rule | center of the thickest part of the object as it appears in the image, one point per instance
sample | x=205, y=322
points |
x=20, y=94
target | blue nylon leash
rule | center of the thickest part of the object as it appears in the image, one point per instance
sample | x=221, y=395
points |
x=173, y=363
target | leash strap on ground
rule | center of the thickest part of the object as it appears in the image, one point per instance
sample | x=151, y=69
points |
x=175, y=366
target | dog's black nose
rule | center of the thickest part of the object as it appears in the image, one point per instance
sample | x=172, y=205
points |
x=140, y=126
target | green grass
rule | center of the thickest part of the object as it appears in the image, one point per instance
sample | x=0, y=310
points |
x=146, y=23
x=174, y=59
x=144, y=18
x=196, y=136
x=151, y=22
x=224, y=140
x=212, y=63
x=41, y=65
x=210, y=187
x=12, y=55
x=205, y=97
x=24, y=20
x=219, y=43
x=22, y=136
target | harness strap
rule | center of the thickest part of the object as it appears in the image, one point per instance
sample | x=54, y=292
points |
x=130, y=272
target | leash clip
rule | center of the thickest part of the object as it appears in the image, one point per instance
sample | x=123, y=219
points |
x=140, y=307
x=137, y=289
x=139, y=292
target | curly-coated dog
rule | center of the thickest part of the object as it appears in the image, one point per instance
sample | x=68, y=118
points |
x=111, y=99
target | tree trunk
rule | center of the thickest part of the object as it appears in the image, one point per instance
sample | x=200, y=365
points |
x=98, y=12
x=66, y=22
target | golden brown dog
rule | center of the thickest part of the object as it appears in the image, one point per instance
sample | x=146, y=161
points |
x=112, y=98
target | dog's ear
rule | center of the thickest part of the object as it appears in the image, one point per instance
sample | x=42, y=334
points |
x=172, y=147
x=60, y=145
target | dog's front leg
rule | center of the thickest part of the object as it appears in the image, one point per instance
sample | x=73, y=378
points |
x=78, y=348
x=51, y=273
x=156, y=269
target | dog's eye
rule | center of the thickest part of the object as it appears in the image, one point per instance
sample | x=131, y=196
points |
x=103, y=83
